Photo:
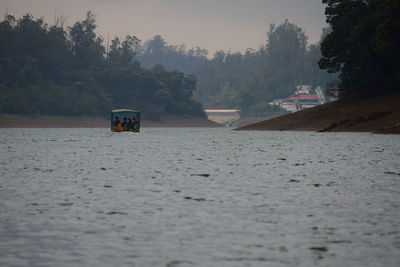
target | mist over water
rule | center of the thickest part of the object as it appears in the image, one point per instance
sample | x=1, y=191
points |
x=198, y=197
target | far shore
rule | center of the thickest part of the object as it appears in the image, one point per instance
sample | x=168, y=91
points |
x=376, y=115
x=18, y=121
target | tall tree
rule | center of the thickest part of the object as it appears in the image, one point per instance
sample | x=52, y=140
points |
x=315, y=76
x=285, y=50
x=123, y=54
x=363, y=45
x=86, y=45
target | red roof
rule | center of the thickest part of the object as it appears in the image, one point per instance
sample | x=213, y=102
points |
x=304, y=96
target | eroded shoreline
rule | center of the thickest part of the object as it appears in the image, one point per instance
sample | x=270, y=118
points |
x=376, y=115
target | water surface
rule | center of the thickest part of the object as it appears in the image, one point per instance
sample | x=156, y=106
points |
x=198, y=197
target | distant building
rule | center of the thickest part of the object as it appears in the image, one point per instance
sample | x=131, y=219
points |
x=301, y=99
x=305, y=97
x=289, y=106
x=320, y=92
x=334, y=91
x=303, y=89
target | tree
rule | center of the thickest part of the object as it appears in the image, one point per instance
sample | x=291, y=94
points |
x=285, y=51
x=172, y=57
x=314, y=75
x=47, y=71
x=86, y=45
x=363, y=45
x=123, y=54
x=249, y=81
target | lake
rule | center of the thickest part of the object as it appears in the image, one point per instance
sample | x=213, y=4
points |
x=198, y=197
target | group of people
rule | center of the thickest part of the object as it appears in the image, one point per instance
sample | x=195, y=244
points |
x=126, y=125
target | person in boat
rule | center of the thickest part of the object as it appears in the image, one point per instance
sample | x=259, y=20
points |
x=134, y=122
x=130, y=124
x=117, y=124
x=125, y=124
x=116, y=121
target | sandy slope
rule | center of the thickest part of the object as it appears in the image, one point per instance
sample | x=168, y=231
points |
x=378, y=115
x=15, y=121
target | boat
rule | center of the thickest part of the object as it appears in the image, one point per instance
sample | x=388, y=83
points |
x=125, y=120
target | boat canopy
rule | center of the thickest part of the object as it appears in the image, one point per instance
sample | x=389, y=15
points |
x=124, y=110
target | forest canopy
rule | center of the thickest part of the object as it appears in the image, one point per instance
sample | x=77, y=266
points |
x=69, y=71
x=250, y=80
x=73, y=71
x=363, y=46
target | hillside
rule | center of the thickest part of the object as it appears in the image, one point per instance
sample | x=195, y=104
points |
x=377, y=115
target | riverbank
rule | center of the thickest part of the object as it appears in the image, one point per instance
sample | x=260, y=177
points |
x=16, y=121
x=376, y=115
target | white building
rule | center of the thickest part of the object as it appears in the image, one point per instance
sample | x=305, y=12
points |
x=301, y=99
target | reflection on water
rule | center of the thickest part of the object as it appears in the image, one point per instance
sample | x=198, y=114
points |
x=198, y=197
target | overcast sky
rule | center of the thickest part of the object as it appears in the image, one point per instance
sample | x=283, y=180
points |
x=211, y=24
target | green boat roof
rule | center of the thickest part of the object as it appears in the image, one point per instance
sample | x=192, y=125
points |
x=124, y=110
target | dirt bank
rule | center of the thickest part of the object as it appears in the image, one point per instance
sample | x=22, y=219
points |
x=377, y=115
x=15, y=121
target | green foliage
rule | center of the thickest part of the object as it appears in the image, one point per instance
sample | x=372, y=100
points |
x=363, y=45
x=236, y=80
x=122, y=53
x=249, y=81
x=173, y=57
x=86, y=45
x=286, y=50
x=48, y=70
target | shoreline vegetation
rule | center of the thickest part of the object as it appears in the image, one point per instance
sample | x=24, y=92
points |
x=70, y=71
x=52, y=70
x=376, y=115
x=18, y=121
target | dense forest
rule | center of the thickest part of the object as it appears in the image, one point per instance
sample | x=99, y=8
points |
x=364, y=46
x=247, y=81
x=73, y=71
x=359, y=53
x=52, y=70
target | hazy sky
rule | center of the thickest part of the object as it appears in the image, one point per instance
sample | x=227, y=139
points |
x=211, y=24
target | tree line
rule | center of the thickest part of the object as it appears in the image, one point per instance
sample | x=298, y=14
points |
x=358, y=56
x=69, y=71
x=246, y=80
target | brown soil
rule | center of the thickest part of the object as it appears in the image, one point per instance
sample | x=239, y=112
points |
x=377, y=115
x=15, y=121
